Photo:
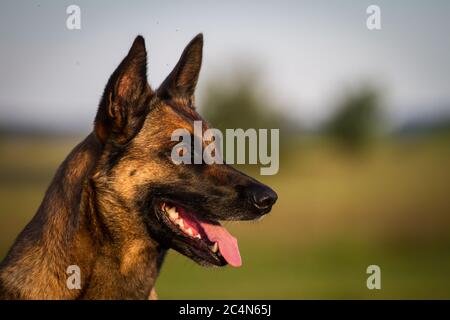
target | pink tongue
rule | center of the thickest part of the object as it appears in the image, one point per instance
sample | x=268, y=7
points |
x=228, y=245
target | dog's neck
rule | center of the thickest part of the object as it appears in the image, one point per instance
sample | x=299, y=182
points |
x=116, y=257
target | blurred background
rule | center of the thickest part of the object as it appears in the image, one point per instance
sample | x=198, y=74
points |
x=364, y=120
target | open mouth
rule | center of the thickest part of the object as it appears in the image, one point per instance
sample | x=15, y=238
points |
x=208, y=237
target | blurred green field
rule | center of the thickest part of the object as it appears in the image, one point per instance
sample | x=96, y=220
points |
x=337, y=214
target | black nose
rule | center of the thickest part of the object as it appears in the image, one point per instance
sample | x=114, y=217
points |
x=262, y=197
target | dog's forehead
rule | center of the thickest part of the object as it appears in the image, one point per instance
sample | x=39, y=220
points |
x=176, y=115
x=163, y=119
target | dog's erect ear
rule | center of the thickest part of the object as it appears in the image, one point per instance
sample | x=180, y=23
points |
x=181, y=82
x=123, y=103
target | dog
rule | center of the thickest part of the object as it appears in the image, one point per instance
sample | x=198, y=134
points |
x=117, y=203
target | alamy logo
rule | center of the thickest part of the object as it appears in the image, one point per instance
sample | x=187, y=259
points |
x=213, y=152
x=373, y=21
x=374, y=280
x=74, y=279
x=73, y=21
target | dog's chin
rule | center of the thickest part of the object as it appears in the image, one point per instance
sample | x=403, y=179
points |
x=193, y=245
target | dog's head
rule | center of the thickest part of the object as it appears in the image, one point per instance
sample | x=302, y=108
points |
x=181, y=205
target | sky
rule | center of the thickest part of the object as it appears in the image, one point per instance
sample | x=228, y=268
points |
x=308, y=53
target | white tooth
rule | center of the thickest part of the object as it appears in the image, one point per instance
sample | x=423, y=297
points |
x=214, y=248
x=197, y=236
x=173, y=214
x=189, y=231
x=180, y=222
